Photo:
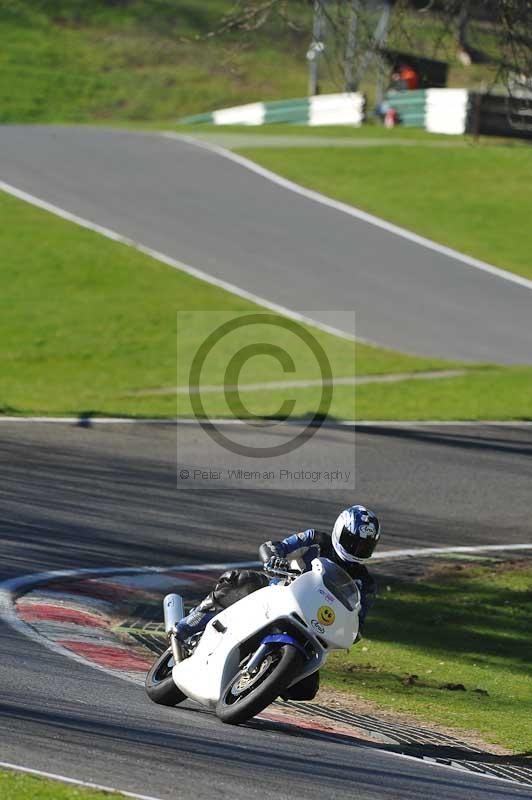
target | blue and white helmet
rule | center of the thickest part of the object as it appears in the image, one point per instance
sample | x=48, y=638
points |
x=355, y=534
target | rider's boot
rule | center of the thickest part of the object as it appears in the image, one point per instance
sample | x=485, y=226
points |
x=197, y=619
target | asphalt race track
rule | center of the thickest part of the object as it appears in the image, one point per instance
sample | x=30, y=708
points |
x=94, y=495
x=103, y=495
x=202, y=209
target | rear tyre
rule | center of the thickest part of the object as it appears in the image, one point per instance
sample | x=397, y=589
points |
x=160, y=686
x=245, y=696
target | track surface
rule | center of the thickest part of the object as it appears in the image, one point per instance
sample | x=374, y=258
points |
x=103, y=496
x=217, y=216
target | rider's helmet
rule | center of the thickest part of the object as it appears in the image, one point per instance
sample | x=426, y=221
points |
x=355, y=534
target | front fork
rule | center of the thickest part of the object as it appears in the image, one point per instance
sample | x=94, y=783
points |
x=265, y=647
x=177, y=648
x=256, y=659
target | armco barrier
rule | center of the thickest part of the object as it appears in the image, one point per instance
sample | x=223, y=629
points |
x=410, y=107
x=346, y=108
x=446, y=110
x=251, y=114
x=294, y=111
x=450, y=111
x=457, y=111
x=437, y=110
x=337, y=109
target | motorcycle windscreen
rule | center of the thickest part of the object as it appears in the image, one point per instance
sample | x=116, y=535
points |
x=340, y=584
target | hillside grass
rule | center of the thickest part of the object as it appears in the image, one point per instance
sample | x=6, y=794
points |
x=469, y=628
x=86, y=323
x=503, y=393
x=138, y=60
x=149, y=59
x=88, y=326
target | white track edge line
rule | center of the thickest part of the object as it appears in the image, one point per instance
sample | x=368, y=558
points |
x=11, y=587
x=429, y=551
x=352, y=211
x=75, y=781
x=348, y=423
x=175, y=264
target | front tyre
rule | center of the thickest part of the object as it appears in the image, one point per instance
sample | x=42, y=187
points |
x=248, y=695
x=160, y=686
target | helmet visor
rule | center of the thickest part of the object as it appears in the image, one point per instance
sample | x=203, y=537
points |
x=357, y=546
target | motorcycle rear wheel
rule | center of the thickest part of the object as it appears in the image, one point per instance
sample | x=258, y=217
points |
x=244, y=697
x=159, y=684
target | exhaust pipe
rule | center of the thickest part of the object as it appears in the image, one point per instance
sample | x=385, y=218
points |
x=173, y=611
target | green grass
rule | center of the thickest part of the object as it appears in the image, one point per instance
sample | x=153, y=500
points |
x=475, y=199
x=79, y=61
x=470, y=628
x=481, y=394
x=86, y=322
x=503, y=393
x=73, y=60
x=19, y=786
x=371, y=130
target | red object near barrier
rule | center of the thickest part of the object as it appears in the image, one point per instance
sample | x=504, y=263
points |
x=391, y=118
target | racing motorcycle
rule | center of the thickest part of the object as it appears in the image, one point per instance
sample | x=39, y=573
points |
x=254, y=651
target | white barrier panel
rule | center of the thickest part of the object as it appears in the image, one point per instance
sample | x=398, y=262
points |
x=251, y=114
x=336, y=109
x=446, y=110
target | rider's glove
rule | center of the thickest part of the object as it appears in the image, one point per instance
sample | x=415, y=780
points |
x=277, y=563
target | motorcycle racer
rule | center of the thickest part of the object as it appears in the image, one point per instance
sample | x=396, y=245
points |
x=353, y=539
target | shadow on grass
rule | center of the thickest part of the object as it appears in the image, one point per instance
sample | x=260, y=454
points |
x=461, y=617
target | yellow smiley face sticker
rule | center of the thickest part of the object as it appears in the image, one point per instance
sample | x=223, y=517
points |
x=326, y=615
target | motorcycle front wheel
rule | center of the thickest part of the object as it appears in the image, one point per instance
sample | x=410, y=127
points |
x=160, y=686
x=248, y=695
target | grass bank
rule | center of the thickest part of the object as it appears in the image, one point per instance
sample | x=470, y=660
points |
x=86, y=323
x=89, y=326
x=73, y=60
x=69, y=60
x=503, y=393
x=453, y=648
x=475, y=199
x=20, y=786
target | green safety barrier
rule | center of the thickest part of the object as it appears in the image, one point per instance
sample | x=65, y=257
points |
x=410, y=105
x=298, y=110
x=197, y=118
x=290, y=111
